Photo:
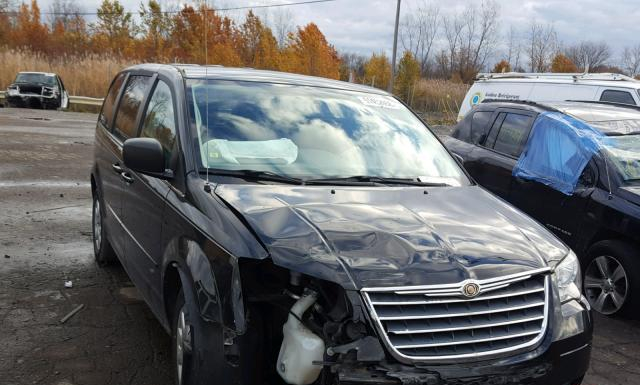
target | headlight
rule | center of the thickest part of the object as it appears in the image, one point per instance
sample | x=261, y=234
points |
x=568, y=278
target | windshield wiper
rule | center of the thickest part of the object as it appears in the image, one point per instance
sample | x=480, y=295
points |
x=254, y=175
x=366, y=179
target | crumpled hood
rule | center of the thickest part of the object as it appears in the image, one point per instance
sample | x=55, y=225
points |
x=398, y=236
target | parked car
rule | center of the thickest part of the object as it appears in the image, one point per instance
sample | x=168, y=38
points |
x=574, y=167
x=293, y=229
x=516, y=86
x=37, y=90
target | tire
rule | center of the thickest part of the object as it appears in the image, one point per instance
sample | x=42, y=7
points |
x=612, y=278
x=196, y=347
x=102, y=250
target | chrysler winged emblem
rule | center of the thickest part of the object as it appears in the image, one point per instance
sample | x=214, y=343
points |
x=471, y=290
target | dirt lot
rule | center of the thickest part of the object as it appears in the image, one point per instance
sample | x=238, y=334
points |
x=45, y=240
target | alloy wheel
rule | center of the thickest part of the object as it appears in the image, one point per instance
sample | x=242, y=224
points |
x=606, y=284
x=97, y=225
x=183, y=343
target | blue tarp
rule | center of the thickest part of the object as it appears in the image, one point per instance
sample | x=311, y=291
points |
x=558, y=150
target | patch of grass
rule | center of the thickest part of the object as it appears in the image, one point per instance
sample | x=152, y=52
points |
x=438, y=100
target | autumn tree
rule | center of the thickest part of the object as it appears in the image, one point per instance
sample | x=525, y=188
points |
x=201, y=31
x=309, y=53
x=268, y=55
x=407, y=75
x=501, y=67
x=29, y=32
x=156, y=28
x=114, y=29
x=377, y=71
x=561, y=63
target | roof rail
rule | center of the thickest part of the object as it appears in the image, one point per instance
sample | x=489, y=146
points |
x=553, y=75
x=621, y=105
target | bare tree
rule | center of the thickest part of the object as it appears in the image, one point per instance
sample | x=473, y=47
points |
x=588, y=55
x=631, y=60
x=479, y=38
x=66, y=11
x=282, y=21
x=514, y=49
x=541, y=45
x=470, y=37
x=418, y=32
x=453, y=26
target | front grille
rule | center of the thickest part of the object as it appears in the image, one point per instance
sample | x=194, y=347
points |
x=440, y=323
x=28, y=89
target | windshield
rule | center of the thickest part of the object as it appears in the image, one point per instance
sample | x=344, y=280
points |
x=625, y=154
x=310, y=132
x=36, y=78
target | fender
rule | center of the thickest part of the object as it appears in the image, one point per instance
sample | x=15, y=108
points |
x=213, y=282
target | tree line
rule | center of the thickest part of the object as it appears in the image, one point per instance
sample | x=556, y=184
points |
x=192, y=34
x=453, y=45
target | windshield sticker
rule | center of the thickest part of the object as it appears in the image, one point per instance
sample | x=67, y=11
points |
x=380, y=102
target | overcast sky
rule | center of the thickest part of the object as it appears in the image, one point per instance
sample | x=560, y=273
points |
x=365, y=26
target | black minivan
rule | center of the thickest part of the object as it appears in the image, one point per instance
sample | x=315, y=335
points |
x=574, y=167
x=292, y=229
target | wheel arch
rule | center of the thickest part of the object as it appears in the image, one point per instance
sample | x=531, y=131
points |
x=212, y=282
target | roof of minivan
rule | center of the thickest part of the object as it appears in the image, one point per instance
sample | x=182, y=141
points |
x=195, y=71
x=603, y=80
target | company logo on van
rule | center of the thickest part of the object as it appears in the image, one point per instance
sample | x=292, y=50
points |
x=476, y=98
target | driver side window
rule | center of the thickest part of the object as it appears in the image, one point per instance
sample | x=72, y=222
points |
x=159, y=121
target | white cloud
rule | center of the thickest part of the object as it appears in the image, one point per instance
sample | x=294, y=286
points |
x=366, y=26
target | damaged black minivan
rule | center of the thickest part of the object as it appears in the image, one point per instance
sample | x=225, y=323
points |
x=292, y=229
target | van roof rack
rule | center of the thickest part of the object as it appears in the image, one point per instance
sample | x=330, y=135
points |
x=553, y=75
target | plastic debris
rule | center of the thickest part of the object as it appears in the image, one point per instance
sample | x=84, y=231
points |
x=72, y=313
x=68, y=284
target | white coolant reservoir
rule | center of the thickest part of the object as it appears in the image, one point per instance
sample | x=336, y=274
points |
x=300, y=347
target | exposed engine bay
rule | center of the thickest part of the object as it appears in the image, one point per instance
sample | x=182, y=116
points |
x=304, y=330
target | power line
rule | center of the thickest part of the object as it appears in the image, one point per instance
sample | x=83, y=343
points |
x=178, y=11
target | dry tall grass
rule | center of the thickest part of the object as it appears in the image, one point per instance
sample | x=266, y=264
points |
x=82, y=76
x=91, y=76
x=439, y=96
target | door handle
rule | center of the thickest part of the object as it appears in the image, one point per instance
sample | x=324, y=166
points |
x=116, y=168
x=127, y=178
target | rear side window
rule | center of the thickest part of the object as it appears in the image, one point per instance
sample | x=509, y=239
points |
x=513, y=134
x=480, y=126
x=106, y=114
x=615, y=96
x=159, y=121
x=130, y=104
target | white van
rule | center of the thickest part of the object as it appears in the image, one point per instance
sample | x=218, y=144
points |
x=551, y=87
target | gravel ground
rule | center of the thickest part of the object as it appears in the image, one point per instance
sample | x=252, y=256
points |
x=45, y=240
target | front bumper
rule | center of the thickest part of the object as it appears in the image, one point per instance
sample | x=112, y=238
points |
x=563, y=363
x=561, y=358
x=23, y=100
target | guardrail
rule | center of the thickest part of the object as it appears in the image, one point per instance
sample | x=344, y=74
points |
x=83, y=100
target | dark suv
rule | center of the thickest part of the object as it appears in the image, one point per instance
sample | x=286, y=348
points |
x=575, y=167
x=291, y=229
x=37, y=89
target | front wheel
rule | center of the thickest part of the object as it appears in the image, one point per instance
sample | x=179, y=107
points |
x=102, y=250
x=196, y=347
x=612, y=278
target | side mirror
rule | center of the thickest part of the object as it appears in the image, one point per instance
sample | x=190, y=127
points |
x=146, y=156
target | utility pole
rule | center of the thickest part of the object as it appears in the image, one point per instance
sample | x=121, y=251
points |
x=395, y=46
